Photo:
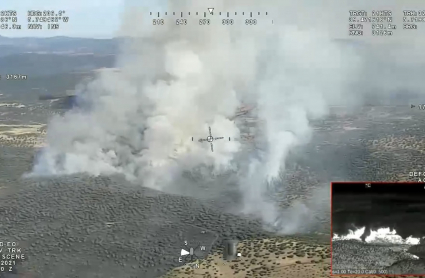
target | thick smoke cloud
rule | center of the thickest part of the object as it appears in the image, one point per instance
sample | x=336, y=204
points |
x=176, y=81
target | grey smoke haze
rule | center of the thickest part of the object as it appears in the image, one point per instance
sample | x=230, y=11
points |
x=176, y=81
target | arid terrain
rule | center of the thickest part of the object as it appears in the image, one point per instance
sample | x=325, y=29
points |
x=87, y=227
x=96, y=223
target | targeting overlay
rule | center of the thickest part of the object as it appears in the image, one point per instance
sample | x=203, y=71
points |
x=210, y=139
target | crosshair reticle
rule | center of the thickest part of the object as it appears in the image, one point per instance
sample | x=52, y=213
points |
x=210, y=139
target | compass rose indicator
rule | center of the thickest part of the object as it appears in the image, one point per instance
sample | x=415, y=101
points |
x=210, y=139
x=192, y=254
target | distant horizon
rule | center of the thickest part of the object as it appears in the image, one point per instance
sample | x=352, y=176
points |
x=351, y=40
x=62, y=36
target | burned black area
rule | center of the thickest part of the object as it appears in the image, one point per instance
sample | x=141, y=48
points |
x=399, y=206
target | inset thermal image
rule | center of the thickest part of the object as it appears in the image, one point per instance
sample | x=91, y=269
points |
x=378, y=228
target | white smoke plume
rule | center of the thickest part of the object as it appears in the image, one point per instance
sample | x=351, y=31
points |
x=176, y=81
